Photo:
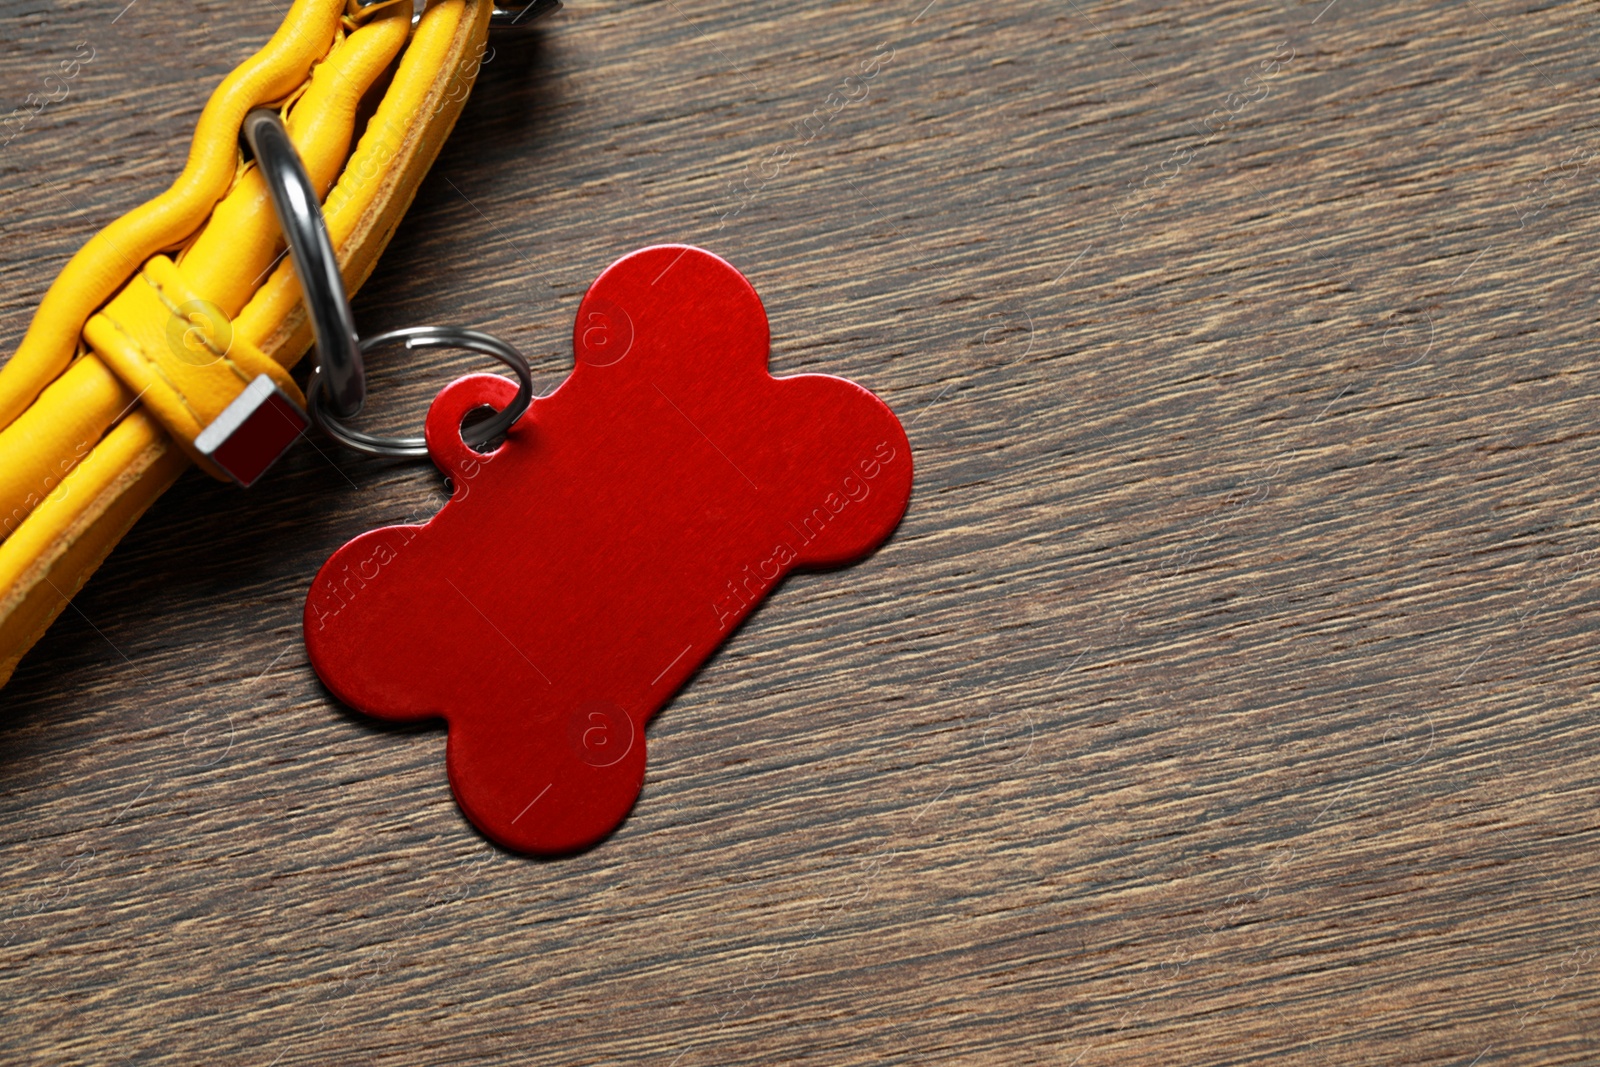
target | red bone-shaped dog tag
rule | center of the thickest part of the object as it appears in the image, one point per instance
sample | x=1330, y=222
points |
x=582, y=572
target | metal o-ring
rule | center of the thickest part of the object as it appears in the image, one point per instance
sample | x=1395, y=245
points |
x=338, y=386
x=514, y=18
x=339, y=375
x=430, y=337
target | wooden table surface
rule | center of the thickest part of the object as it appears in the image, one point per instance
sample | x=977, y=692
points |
x=1227, y=694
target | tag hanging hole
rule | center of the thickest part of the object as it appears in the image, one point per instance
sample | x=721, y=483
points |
x=477, y=417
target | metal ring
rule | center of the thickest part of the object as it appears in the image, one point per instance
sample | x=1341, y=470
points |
x=339, y=372
x=515, y=17
x=430, y=337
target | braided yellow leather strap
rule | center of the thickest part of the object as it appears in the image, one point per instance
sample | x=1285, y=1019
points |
x=164, y=317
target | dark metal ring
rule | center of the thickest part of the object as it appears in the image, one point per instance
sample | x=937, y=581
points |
x=430, y=337
x=338, y=386
x=339, y=372
x=517, y=17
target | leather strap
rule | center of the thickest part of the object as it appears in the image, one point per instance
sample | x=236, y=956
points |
x=162, y=318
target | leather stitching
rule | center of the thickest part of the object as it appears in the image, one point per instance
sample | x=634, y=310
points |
x=155, y=367
x=161, y=295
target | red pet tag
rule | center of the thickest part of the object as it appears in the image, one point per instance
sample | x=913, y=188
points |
x=581, y=572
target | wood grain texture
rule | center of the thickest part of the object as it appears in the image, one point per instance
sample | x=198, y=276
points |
x=1227, y=694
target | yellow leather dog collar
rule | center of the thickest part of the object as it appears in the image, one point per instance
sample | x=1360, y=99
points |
x=163, y=319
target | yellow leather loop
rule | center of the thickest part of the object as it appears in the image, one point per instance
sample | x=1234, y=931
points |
x=180, y=369
x=81, y=464
x=111, y=256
